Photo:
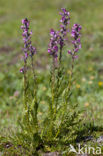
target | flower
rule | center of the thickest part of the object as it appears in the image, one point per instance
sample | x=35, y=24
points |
x=69, y=52
x=78, y=86
x=65, y=20
x=16, y=94
x=83, y=79
x=22, y=70
x=90, y=82
x=76, y=42
x=53, y=45
x=86, y=104
x=76, y=35
x=32, y=50
x=28, y=49
x=100, y=83
x=92, y=77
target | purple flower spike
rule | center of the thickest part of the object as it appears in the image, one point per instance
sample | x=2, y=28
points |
x=65, y=20
x=28, y=49
x=32, y=50
x=53, y=45
x=76, y=36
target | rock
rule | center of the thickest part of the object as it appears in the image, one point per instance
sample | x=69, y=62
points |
x=88, y=138
x=100, y=139
x=52, y=154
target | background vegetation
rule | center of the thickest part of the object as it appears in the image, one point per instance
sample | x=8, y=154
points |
x=43, y=15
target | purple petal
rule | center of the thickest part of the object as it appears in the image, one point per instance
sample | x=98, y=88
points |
x=49, y=50
x=56, y=48
x=69, y=52
x=75, y=57
x=78, y=40
x=80, y=46
x=76, y=50
x=22, y=70
x=23, y=21
x=52, y=32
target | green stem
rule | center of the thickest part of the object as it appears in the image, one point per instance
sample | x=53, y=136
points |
x=58, y=79
x=25, y=91
x=53, y=95
x=35, y=93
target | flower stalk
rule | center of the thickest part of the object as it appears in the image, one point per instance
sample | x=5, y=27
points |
x=75, y=33
x=29, y=51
